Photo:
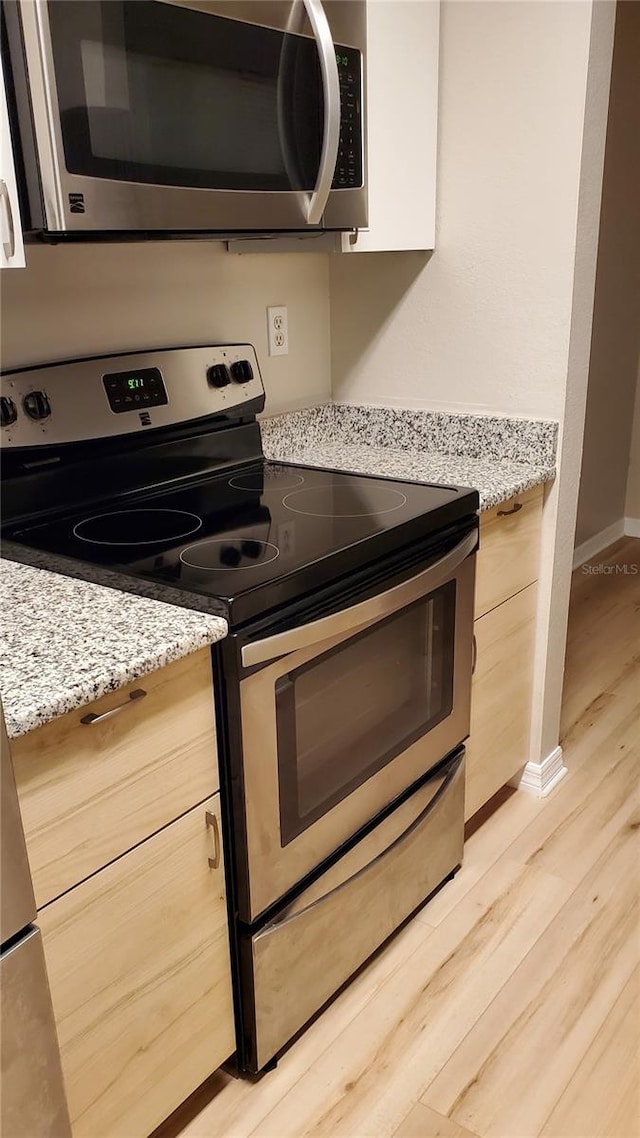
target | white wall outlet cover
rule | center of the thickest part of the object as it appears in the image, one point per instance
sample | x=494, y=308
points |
x=278, y=330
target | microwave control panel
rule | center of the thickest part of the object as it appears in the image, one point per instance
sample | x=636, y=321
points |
x=348, y=173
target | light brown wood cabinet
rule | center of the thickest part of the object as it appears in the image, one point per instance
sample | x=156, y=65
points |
x=509, y=550
x=504, y=628
x=138, y=962
x=90, y=792
x=123, y=829
x=501, y=697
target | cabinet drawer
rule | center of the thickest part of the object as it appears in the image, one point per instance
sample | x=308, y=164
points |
x=138, y=962
x=500, y=697
x=90, y=792
x=509, y=549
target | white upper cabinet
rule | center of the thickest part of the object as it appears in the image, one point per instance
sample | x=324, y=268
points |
x=11, y=247
x=402, y=116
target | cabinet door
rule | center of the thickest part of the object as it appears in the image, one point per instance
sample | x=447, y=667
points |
x=90, y=791
x=402, y=118
x=509, y=551
x=500, y=697
x=138, y=962
x=11, y=247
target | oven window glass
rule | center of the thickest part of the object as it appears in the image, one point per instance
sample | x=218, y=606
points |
x=163, y=94
x=350, y=711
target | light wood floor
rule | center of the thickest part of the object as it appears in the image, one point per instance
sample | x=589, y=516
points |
x=510, y=1006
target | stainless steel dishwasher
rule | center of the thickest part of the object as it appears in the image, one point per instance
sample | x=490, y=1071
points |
x=33, y=1097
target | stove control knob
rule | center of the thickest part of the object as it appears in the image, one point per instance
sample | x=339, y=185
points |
x=8, y=411
x=251, y=549
x=218, y=375
x=230, y=556
x=36, y=405
x=242, y=371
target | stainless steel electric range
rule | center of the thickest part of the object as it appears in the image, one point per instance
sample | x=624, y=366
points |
x=343, y=688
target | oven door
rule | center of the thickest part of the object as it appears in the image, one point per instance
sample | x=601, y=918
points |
x=344, y=714
x=186, y=115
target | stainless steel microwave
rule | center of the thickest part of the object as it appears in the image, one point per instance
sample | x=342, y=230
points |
x=190, y=116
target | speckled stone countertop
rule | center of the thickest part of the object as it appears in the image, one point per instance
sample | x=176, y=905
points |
x=66, y=642
x=498, y=456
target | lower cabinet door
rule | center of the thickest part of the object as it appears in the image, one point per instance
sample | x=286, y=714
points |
x=138, y=962
x=500, y=697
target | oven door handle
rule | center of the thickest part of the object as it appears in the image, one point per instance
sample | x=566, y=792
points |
x=331, y=91
x=375, y=608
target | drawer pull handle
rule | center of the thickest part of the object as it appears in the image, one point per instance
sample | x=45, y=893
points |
x=91, y=718
x=474, y=655
x=514, y=510
x=212, y=821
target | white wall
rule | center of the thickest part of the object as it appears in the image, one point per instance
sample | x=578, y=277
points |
x=632, y=503
x=560, y=510
x=499, y=318
x=615, y=343
x=485, y=321
x=84, y=299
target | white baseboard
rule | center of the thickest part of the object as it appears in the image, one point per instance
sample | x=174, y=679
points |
x=624, y=527
x=598, y=542
x=540, y=778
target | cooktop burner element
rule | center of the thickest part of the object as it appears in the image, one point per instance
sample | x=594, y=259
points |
x=137, y=527
x=267, y=478
x=220, y=554
x=345, y=501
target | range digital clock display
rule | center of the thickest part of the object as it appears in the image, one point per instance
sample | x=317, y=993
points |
x=135, y=390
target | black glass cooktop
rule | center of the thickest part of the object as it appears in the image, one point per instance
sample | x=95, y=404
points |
x=256, y=538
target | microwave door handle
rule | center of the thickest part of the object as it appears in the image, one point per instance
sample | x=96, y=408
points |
x=331, y=89
x=353, y=618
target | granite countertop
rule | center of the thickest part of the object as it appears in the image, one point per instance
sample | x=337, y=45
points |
x=498, y=456
x=66, y=642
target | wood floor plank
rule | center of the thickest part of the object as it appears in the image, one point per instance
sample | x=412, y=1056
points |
x=589, y=737
x=422, y=1122
x=513, y=1066
x=577, y=826
x=604, y=627
x=366, y=1083
x=593, y=590
x=603, y=1097
x=599, y=675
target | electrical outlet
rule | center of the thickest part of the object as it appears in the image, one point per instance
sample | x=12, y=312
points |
x=278, y=329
